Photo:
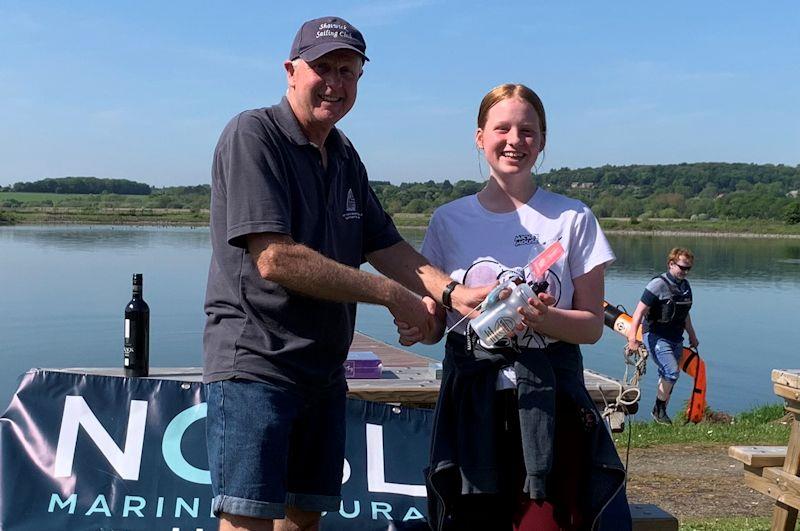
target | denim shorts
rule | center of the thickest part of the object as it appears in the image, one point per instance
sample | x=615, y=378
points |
x=666, y=354
x=269, y=447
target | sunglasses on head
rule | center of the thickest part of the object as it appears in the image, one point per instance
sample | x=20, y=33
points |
x=682, y=268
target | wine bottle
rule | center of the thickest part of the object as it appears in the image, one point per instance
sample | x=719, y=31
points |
x=136, y=351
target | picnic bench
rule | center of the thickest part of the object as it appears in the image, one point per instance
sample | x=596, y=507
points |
x=775, y=470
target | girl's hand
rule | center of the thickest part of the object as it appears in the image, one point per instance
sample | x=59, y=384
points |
x=536, y=311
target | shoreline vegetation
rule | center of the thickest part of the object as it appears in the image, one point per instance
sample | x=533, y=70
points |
x=696, y=199
x=177, y=217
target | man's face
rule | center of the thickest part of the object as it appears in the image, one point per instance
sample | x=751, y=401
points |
x=324, y=90
x=680, y=267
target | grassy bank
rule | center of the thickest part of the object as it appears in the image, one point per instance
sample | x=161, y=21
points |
x=106, y=209
x=712, y=227
x=41, y=208
x=650, y=226
x=102, y=216
x=761, y=425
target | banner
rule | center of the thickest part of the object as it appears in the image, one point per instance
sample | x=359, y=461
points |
x=81, y=452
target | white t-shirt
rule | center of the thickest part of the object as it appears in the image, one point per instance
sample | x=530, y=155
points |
x=475, y=246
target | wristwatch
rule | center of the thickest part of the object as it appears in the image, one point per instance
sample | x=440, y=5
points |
x=446, y=294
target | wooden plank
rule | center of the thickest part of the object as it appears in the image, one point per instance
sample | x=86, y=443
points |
x=788, y=393
x=787, y=377
x=786, y=482
x=792, y=463
x=784, y=516
x=417, y=397
x=758, y=456
x=390, y=355
x=756, y=470
x=402, y=385
x=649, y=517
x=768, y=487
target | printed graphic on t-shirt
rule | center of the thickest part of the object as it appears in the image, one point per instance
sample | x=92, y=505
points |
x=351, y=209
x=525, y=239
x=486, y=270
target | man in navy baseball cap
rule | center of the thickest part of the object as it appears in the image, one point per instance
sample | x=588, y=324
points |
x=317, y=37
x=292, y=219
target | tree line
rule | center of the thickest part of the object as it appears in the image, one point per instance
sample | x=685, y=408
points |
x=689, y=191
x=83, y=185
x=695, y=191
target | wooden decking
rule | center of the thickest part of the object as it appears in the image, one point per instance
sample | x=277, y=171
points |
x=408, y=378
x=390, y=355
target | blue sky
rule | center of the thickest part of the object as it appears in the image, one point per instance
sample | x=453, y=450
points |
x=141, y=90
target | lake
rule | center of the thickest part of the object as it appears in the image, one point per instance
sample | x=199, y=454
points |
x=63, y=290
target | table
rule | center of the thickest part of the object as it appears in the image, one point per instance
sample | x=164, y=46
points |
x=774, y=470
x=786, y=384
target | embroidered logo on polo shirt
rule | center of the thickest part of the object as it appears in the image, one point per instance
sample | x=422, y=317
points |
x=351, y=209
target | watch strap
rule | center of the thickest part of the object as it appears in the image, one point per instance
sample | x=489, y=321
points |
x=448, y=290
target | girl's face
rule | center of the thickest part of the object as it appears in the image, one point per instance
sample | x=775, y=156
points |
x=511, y=138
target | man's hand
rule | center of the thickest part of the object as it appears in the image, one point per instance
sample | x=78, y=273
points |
x=416, y=316
x=693, y=341
x=633, y=344
x=410, y=335
x=464, y=299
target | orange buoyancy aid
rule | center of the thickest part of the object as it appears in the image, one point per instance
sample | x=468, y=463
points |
x=690, y=361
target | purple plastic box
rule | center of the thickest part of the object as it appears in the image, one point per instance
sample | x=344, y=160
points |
x=362, y=365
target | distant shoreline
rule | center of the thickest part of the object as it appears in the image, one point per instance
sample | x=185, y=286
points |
x=643, y=232
x=701, y=234
x=400, y=226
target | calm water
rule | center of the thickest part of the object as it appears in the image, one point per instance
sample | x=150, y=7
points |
x=63, y=289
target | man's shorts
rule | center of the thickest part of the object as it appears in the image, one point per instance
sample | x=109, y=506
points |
x=666, y=354
x=269, y=447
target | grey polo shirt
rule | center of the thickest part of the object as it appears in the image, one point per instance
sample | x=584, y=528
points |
x=267, y=177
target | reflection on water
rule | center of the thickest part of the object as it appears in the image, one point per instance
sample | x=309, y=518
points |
x=718, y=260
x=90, y=238
x=63, y=289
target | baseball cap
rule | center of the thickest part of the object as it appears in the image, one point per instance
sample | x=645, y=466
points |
x=317, y=37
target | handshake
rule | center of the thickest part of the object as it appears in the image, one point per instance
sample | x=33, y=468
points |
x=423, y=320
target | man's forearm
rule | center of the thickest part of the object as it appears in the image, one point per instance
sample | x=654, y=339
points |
x=636, y=319
x=301, y=269
x=405, y=265
x=689, y=327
